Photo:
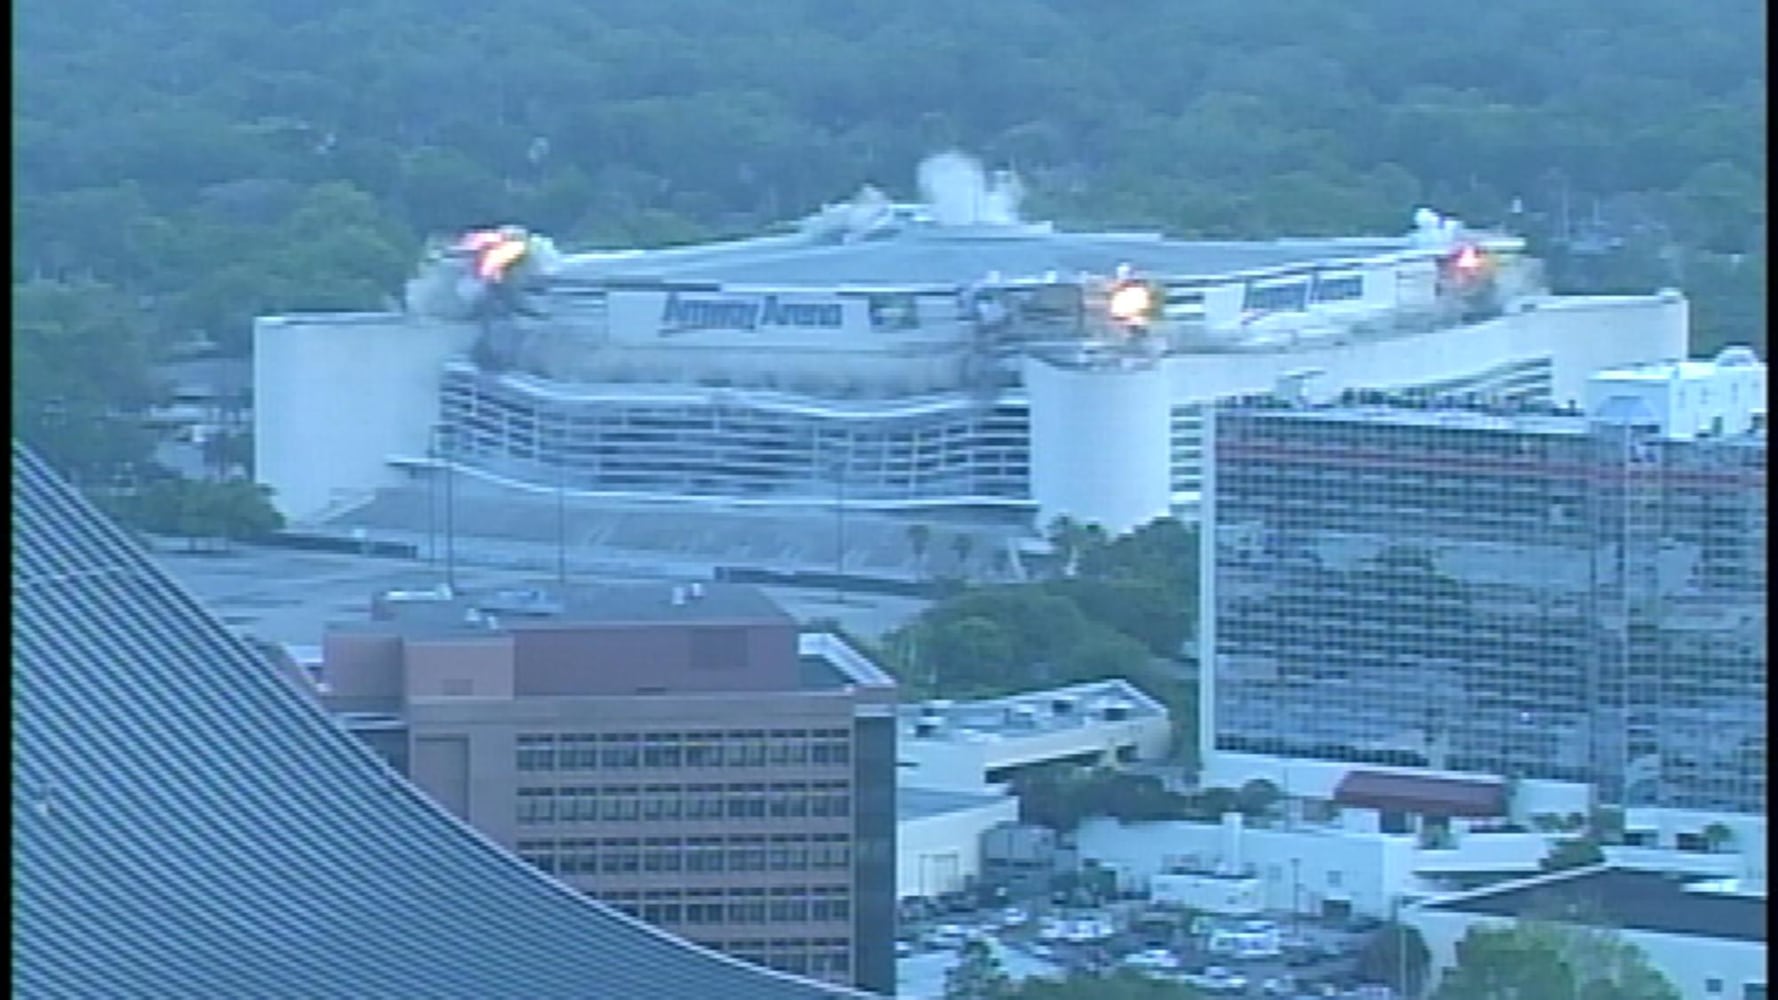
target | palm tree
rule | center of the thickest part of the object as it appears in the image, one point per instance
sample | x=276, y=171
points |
x=1066, y=535
x=919, y=536
x=962, y=545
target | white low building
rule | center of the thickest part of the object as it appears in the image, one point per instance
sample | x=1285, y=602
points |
x=1341, y=868
x=1209, y=892
x=938, y=837
x=976, y=745
x=1708, y=938
x=1725, y=395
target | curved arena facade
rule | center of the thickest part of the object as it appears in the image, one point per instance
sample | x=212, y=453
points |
x=186, y=823
x=919, y=364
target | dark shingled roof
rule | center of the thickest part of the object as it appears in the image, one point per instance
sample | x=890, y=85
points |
x=187, y=824
x=1424, y=795
x=1626, y=899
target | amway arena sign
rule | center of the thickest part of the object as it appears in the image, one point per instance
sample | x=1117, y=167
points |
x=689, y=313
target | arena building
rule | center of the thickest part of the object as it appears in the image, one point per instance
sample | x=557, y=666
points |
x=895, y=356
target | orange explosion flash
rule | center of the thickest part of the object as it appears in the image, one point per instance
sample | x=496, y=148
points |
x=494, y=260
x=1130, y=303
x=480, y=240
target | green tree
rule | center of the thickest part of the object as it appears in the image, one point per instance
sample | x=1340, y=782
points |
x=80, y=378
x=1573, y=852
x=1608, y=825
x=1495, y=963
x=1257, y=797
x=1718, y=836
x=1066, y=536
x=973, y=651
x=1213, y=803
x=1538, y=959
x=244, y=510
x=919, y=540
x=977, y=976
x=1123, y=984
x=1102, y=654
x=962, y=544
x=1143, y=609
x=1396, y=954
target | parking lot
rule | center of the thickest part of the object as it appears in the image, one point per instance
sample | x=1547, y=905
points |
x=1312, y=958
x=290, y=596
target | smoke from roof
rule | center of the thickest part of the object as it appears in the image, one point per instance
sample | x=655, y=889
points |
x=960, y=193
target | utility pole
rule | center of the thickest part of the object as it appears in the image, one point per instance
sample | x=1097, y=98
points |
x=450, y=508
x=1296, y=902
x=839, y=523
x=432, y=472
x=561, y=519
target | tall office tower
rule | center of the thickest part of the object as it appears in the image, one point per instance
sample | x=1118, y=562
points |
x=1505, y=589
x=681, y=753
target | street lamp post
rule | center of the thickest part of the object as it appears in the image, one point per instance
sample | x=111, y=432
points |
x=839, y=524
x=561, y=518
x=1296, y=901
x=450, y=471
x=432, y=472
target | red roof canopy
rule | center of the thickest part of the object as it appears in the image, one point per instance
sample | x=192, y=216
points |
x=1424, y=795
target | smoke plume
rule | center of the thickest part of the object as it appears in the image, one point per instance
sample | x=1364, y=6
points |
x=481, y=270
x=960, y=193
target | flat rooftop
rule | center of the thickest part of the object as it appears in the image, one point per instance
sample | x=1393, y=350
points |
x=433, y=612
x=1399, y=410
x=1076, y=706
x=951, y=258
x=1661, y=902
x=1683, y=370
x=922, y=803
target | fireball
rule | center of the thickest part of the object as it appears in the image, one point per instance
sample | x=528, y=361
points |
x=479, y=240
x=494, y=261
x=1130, y=303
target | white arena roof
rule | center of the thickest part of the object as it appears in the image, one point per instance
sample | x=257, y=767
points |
x=954, y=257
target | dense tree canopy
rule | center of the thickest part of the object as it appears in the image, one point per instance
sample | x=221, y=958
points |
x=197, y=161
x=1537, y=959
x=1116, y=607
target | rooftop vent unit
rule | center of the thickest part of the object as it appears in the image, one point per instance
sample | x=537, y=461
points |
x=1062, y=705
x=440, y=593
x=1022, y=717
x=934, y=708
x=678, y=597
x=1116, y=711
x=696, y=591
x=524, y=602
x=928, y=728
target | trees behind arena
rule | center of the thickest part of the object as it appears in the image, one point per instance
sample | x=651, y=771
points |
x=198, y=187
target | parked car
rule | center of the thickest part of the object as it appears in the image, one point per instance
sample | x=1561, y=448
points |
x=946, y=936
x=1014, y=916
x=1217, y=979
x=1157, y=959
